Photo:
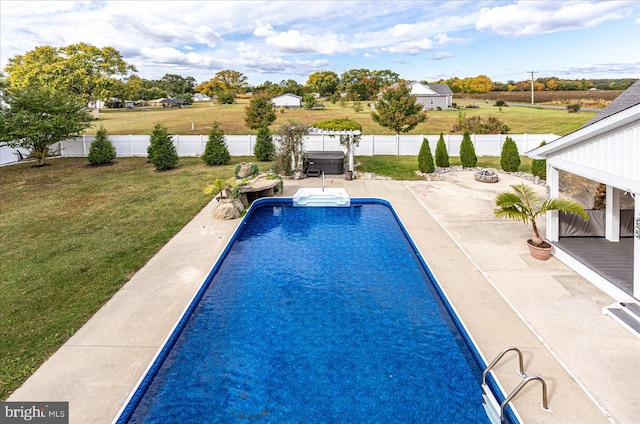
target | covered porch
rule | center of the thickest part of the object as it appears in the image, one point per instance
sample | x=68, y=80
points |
x=606, y=151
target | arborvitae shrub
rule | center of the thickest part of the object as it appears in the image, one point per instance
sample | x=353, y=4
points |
x=509, y=158
x=442, y=157
x=425, y=160
x=101, y=150
x=467, y=152
x=161, y=151
x=264, y=150
x=216, y=151
x=539, y=166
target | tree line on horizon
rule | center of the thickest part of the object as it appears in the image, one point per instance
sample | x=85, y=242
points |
x=101, y=73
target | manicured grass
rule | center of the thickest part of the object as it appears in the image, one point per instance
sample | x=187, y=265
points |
x=202, y=114
x=71, y=235
x=404, y=167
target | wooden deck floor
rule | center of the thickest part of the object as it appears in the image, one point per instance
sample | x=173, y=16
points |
x=613, y=261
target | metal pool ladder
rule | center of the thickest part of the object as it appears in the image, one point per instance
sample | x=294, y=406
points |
x=489, y=400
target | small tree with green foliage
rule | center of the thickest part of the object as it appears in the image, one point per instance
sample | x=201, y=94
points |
x=264, y=150
x=467, y=152
x=442, y=157
x=161, y=151
x=36, y=118
x=539, y=166
x=425, y=160
x=510, y=158
x=397, y=110
x=216, y=151
x=101, y=150
x=259, y=112
x=308, y=101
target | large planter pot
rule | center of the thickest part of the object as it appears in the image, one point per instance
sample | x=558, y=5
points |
x=542, y=253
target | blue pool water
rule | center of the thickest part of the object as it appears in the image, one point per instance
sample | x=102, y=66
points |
x=315, y=315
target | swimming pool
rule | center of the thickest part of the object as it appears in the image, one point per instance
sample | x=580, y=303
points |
x=315, y=315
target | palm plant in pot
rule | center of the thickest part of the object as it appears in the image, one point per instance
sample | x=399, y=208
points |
x=524, y=204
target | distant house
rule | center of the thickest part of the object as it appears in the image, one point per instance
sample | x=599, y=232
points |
x=287, y=101
x=605, y=150
x=199, y=97
x=167, y=102
x=431, y=96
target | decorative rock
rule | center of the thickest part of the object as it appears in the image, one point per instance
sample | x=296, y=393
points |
x=486, y=176
x=258, y=187
x=244, y=171
x=226, y=209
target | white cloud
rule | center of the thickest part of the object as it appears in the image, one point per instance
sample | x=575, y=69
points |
x=293, y=41
x=441, y=55
x=543, y=17
x=410, y=47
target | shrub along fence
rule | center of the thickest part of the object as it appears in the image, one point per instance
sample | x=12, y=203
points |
x=242, y=145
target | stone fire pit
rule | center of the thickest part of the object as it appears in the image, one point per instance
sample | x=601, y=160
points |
x=486, y=176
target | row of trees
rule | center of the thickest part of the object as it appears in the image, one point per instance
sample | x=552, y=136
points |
x=484, y=84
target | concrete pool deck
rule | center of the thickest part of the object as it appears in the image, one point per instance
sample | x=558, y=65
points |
x=503, y=296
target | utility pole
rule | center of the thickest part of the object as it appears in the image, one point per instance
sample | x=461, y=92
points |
x=532, y=72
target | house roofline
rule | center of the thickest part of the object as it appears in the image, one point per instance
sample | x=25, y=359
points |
x=602, y=126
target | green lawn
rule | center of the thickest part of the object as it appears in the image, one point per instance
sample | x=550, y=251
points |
x=404, y=167
x=201, y=115
x=72, y=235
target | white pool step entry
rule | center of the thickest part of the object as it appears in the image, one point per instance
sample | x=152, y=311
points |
x=322, y=197
x=491, y=405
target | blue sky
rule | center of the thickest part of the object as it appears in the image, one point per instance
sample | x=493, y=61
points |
x=279, y=40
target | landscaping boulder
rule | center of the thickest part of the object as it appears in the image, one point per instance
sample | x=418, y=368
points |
x=226, y=209
x=245, y=170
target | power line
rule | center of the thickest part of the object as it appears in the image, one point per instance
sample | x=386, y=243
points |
x=532, y=72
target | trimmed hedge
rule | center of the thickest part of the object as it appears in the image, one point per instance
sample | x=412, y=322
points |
x=509, y=158
x=425, y=160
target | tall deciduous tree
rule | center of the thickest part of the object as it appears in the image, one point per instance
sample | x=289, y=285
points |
x=324, y=83
x=260, y=112
x=81, y=69
x=224, y=82
x=36, y=118
x=177, y=85
x=397, y=110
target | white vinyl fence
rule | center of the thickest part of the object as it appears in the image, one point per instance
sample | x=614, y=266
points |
x=242, y=145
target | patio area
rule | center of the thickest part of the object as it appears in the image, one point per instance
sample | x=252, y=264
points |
x=502, y=295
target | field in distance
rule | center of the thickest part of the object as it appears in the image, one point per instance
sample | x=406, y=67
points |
x=198, y=118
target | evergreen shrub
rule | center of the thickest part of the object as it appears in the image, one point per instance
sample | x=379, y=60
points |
x=161, y=151
x=509, y=158
x=216, y=151
x=467, y=152
x=101, y=151
x=539, y=166
x=264, y=150
x=442, y=157
x=425, y=160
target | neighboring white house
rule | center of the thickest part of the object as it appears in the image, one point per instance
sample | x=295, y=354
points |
x=287, y=101
x=199, y=97
x=605, y=150
x=430, y=96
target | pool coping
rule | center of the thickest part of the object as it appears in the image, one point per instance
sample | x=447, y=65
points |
x=97, y=369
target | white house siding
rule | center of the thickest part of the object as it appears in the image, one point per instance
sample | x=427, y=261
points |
x=287, y=101
x=599, y=159
x=433, y=102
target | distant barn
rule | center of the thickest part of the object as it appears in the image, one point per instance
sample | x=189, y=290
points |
x=287, y=101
